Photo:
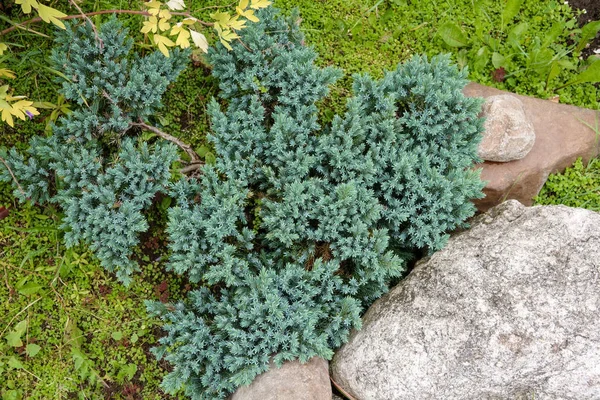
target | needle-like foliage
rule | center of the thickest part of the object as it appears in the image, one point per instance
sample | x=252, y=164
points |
x=297, y=227
x=91, y=166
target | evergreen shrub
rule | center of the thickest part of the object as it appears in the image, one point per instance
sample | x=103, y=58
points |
x=91, y=165
x=298, y=227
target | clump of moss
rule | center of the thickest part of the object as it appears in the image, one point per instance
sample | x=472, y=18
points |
x=578, y=186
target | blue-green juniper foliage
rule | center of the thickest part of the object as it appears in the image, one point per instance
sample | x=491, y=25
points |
x=91, y=166
x=298, y=227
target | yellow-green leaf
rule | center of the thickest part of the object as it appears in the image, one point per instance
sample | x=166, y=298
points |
x=236, y=23
x=257, y=4
x=243, y=4
x=199, y=40
x=228, y=35
x=249, y=14
x=163, y=44
x=153, y=4
x=153, y=7
x=49, y=14
x=8, y=97
x=24, y=108
x=177, y=28
x=183, y=39
x=151, y=25
x=7, y=73
x=189, y=21
x=227, y=45
x=222, y=18
x=7, y=117
x=27, y=5
x=3, y=48
x=164, y=14
x=163, y=25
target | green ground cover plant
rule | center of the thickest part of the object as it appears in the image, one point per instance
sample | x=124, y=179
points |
x=51, y=294
x=68, y=329
x=578, y=186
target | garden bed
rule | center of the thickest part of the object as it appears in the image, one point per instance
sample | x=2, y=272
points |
x=69, y=328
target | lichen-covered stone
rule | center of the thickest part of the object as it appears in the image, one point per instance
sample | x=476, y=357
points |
x=509, y=134
x=508, y=310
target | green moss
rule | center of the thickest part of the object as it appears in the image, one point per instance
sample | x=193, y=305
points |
x=71, y=306
x=578, y=186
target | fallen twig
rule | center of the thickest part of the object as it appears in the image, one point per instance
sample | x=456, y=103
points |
x=100, y=42
x=195, y=158
x=13, y=176
x=342, y=391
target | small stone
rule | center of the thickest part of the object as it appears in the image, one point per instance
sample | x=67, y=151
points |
x=563, y=133
x=509, y=134
x=293, y=381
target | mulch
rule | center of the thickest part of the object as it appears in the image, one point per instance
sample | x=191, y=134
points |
x=592, y=8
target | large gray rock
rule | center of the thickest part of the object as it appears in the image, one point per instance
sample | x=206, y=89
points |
x=508, y=134
x=293, y=381
x=508, y=310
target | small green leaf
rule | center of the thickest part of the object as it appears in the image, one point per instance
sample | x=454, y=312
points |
x=590, y=75
x=129, y=370
x=588, y=32
x=462, y=59
x=14, y=363
x=515, y=36
x=202, y=150
x=482, y=57
x=555, y=69
x=30, y=288
x=13, y=338
x=73, y=335
x=134, y=338
x=117, y=335
x=566, y=64
x=511, y=10
x=498, y=60
x=21, y=327
x=552, y=36
x=210, y=158
x=32, y=349
x=165, y=203
x=12, y=395
x=453, y=35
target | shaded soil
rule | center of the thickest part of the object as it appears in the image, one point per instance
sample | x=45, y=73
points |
x=592, y=8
